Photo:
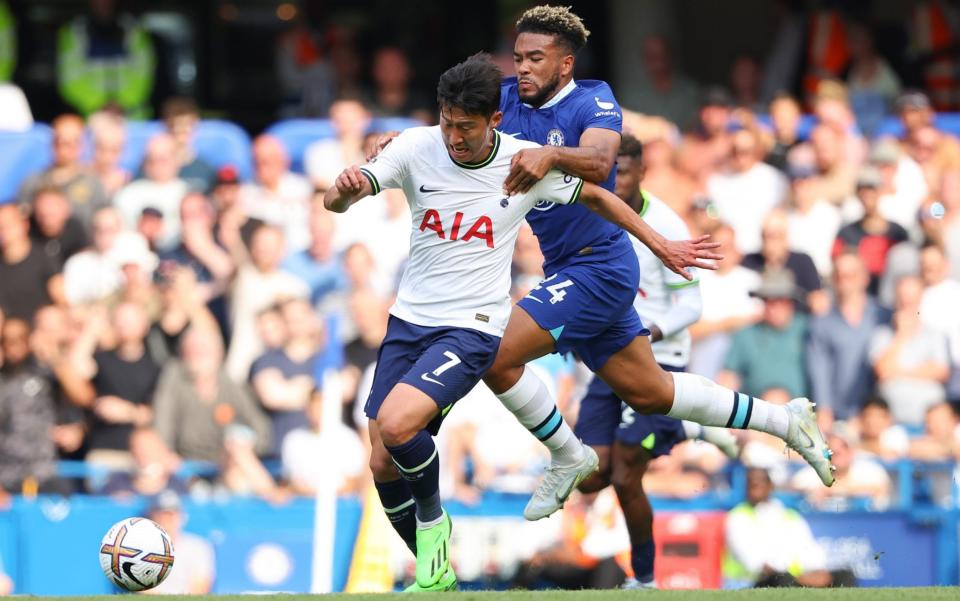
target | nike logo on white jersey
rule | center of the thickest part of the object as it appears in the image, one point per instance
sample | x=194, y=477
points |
x=602, y=104
x=518, y=134
x=427, y=378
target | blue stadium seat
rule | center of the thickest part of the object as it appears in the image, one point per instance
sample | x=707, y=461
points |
x=23, y=153
x=297, y=134
x=217, y=142
x=948, y=122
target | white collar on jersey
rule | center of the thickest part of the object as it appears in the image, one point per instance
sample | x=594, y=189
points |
x=563, y=93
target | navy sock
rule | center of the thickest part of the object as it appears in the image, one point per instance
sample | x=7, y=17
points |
x=641, y=560
x=398, y=504
x=419, y=465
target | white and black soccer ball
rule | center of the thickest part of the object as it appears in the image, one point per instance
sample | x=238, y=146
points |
x=136, y=554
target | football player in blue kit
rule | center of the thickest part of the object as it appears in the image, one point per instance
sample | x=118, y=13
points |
x=585, y=302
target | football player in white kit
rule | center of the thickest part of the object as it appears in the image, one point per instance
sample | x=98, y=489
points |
x=453, y=302
x=625, y=440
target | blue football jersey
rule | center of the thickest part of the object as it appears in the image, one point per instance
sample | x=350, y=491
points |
x=567, y=233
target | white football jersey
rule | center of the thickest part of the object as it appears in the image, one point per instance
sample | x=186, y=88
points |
x=657, y=283
x=463, y=227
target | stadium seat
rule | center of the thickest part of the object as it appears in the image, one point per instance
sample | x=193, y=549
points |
x=948, y=122
x=217, y=142
x=24, y=153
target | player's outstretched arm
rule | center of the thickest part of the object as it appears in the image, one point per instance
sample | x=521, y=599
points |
x=350, y=186
x=591, y=161
x=677, y=255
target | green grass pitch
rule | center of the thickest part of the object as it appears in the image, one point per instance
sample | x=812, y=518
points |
x=864, y=594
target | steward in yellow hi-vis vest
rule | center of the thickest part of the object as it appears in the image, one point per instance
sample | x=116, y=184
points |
x=106, y=61
x=8, y=42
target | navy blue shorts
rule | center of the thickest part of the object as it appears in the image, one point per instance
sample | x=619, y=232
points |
x=604, y=418
x=588, y=308
x=444, y=363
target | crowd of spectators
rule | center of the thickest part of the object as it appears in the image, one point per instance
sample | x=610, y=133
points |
x=177, y=327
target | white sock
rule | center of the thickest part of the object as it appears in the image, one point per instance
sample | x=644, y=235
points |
x=700, y=400
x=531, y=403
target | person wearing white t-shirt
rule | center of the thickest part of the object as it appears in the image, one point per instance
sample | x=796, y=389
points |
x=453, y=302
x=938, y=307
x=302, y=447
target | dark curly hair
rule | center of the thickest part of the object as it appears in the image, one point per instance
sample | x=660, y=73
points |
x=558, y=21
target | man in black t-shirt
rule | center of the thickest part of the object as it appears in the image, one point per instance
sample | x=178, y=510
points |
x=29, y=278
x=123, y=385
x=54, y=228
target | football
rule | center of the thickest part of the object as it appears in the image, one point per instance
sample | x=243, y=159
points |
x=136, y=554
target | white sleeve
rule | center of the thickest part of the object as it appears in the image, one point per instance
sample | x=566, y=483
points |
x=557, y=187
x=684, y=312
x=389, y=168
x=672, y=227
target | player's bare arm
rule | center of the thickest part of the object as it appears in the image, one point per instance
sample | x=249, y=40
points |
x=592, y=160
x=349, y=187
x=677, y=255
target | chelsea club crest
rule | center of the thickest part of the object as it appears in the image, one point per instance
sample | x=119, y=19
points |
x=555, y=137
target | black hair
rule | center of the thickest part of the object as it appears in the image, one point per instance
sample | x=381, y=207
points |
x=472, y=86
x=630, y=147
x=878, y=402
x=558, y=21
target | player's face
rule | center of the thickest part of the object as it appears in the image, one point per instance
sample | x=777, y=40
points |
x=629, y=175
x=541, y=63
x=467, y=137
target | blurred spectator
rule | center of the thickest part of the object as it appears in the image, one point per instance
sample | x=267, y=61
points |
x=859, y=477
x=325, y=159
x=938, y=307
x=664, y=90
x=109, y=139
x=241, y=471
x=388, y=239
x=257, y=285
x=393, y=94
x=233, y=227
x=661, y=176
x=194, y=571
x=303, y=446
x=27, y=418
x=77, y=181
x=948, y=225
x=306, y=77
x=834, y=180
x=769, y=545
x=53, y=227
x=812, y=222
x=572, y=563
x=775, y=255
x=196, y=403
x=154, y=468
x=872, y=83
x=105, y=59
x=362, y=273
x=318, y=266
x=770, y=354
x=902, y=184
x=921, y=147
x=747, y=191
x=30, y=278
x=785, y=118
x=150, y=226
x=198, y=250
x=97, y=272
x=910, y=358
x=707, y=147
x=181, y=116
x=879, y=434
x=271, y=328
x=277, y=196
x=767, y=452
x=159, y=188
x=838, y=350
x=873, y=235
x=745, y=77
x=831, y=106
x=916, y=113
x=123, y=386
x=940, y=440
x=283, y=378
x=729, y=307
x=368, y=312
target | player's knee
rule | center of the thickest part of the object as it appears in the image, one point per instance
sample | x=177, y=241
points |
x=628, y=481
x=382, y=467
x=502, y=376
x=395, y=427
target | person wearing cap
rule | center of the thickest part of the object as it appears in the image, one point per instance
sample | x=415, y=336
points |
x=873, y=235
x=841, y=378
x=194, y=565
x=769, y=355
x=916, y=112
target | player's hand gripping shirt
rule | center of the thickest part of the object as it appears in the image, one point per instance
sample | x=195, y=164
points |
x=463, y=227
x=567, y=234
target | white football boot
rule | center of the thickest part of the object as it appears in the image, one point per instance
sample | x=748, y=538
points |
x=558, y=483
x=804, y=437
